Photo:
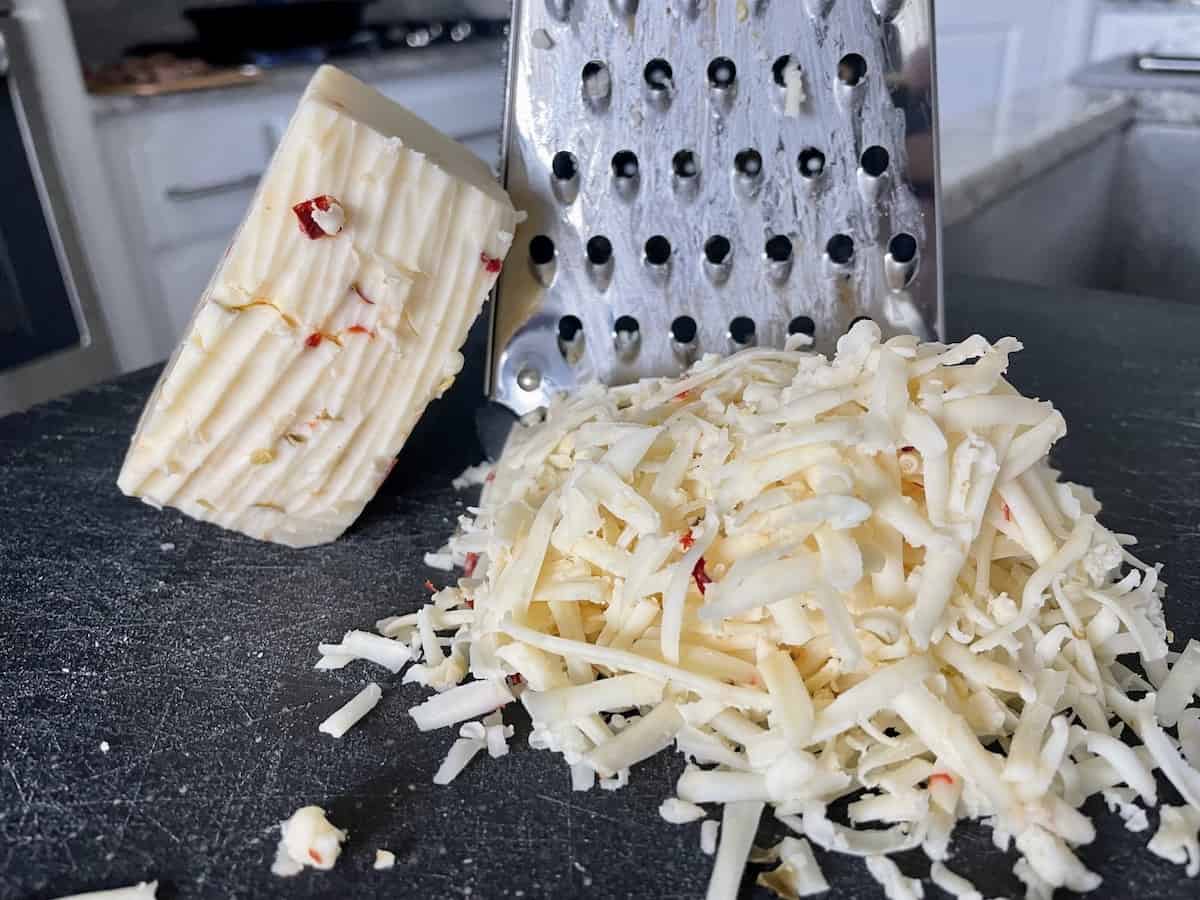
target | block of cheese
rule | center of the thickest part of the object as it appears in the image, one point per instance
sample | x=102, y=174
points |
x=334, y=319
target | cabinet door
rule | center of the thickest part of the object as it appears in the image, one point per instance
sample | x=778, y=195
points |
x=988, y=53
x=183, y=274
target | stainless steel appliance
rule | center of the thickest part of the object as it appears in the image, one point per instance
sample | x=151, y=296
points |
x=48, y=312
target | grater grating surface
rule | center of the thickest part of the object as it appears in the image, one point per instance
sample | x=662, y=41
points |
x=683, y=199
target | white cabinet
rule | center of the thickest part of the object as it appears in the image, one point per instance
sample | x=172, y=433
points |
x=1121, y=30
x=989, y=53
x=185, y=169
x=183, y=273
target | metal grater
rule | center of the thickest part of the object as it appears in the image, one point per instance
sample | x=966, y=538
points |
x=682, y=199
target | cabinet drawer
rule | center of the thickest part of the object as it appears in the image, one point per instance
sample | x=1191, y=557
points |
x=195, y=169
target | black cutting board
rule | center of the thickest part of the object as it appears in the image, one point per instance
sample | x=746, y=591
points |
x=195, y=663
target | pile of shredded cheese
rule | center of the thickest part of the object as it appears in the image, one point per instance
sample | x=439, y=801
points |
x=818, y=579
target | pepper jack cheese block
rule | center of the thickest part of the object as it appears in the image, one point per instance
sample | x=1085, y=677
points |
x=334, y=319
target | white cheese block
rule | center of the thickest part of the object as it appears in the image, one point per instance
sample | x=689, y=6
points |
x=331, y=323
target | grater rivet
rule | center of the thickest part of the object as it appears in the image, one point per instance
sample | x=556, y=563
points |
x=599, y=251
x=542, y=258
x=564, y=181
x=627, y=337
x=887, y=9
x=778, y=254
x=559, y=9
x=660, y=84
x=722, y=82
x=570, y=338
x=625, y=173
x=658, y=257
x=742, y=332
x=748, y=172
x=684, y=343
x=529, y=379
x=901, y=263
x=597, y=85
x=811, y=163
x=718, y=258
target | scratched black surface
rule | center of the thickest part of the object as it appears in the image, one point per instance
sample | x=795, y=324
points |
x=194, y=663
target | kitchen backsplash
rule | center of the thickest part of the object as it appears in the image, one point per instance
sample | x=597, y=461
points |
x=105, y=28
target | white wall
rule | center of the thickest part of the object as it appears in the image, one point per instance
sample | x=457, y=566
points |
x=989, y=52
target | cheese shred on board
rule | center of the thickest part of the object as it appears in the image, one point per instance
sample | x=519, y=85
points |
x=822, y=579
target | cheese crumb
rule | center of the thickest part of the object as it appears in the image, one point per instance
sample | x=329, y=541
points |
x=104, y=747
x=472, y=475
x=307, y=839
x=331, y=220
x=708, y=836
x=384, y=859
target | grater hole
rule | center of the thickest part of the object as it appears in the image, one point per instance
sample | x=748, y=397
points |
x=685, y=164
x=599, y=250
x=875, y=161
x=625, y=165
x=568, y=328
x=811, y=162
x=541, y=250
x=564, y=165
x=658, y=250
x=722, y=73
x=802, y=325
x=851, y=70
x=741, y=331
x=778, y=249
x=717, y=249
x=903, y=248
x=658, y=75
x=779, y=67
x=597, y=82
x=626, y=329
x=748, y=163
x=840, y=249
x=683, y=330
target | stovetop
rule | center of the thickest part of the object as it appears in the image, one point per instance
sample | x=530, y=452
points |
x=371, y=39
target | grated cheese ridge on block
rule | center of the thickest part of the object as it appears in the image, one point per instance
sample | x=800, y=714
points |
x=823, y=578
x=334, y=319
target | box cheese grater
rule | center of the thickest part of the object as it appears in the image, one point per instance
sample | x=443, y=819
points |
x=709, y=175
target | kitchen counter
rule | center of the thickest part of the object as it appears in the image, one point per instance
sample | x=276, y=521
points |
x=386, y=65
x=986, y=155
x=189, y=651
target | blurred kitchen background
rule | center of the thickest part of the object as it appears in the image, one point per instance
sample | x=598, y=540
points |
x=132, y=134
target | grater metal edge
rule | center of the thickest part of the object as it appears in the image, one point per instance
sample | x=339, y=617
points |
x=547, y=110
